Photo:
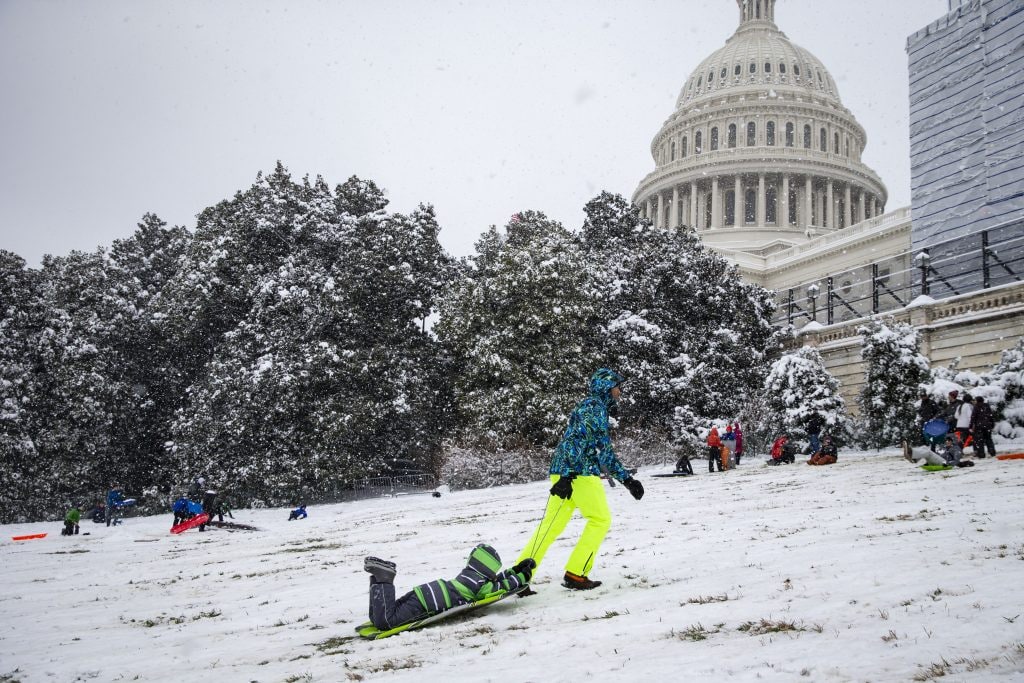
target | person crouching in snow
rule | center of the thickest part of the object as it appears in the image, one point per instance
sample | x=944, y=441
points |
x=827, y=454
x=481, y=578
x=298, y=513
x=71, y=520
x=950, y=455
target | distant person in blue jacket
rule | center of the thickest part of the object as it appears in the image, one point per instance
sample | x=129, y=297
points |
x=298, y=513
x=114, y=496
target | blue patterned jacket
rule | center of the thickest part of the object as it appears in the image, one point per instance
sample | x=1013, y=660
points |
x=586, y=447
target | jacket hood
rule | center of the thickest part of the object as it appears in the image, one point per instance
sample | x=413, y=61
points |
x=602, y=381
x=485, y=560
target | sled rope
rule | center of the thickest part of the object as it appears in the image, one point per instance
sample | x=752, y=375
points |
x=539, y=541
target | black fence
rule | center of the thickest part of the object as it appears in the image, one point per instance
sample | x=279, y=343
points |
x=971, y=263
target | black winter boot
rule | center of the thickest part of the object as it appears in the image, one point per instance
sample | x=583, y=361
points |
x=579, y=583
x=382, y=570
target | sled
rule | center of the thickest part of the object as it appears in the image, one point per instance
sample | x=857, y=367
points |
x=672, y=474
x=126, y=503
x=1011, y=456
x=724, y=452
x=370, y=632
x=28, y=537
x=935, y=428
x=936, y=468
x=201, y=518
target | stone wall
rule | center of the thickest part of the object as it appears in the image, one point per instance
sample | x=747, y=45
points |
x=975, y=327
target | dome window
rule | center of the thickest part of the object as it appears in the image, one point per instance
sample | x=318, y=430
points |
x=796, y=69
x=819, y=77
x=835, y=144
x=697, y=142
x=770, y=205
x=750, y=207
x=700, y=82
x=737, y=70
x=711, y=77
x=767, y=67
x=782, y=68
x=769, y=133
x=731, y=140
x=807, y=137
x=753, y=67
x=790, y=135
x=823, y=142
x=724, y=73
x=672, y=153
x=730, y=207
x=714, y=139
x=751, y=134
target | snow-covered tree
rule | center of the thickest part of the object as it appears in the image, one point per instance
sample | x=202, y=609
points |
x=798, y=387
x=520, y=323
x=1008, y=375
x=894, y=371
x=677, y=320
x=324, y=373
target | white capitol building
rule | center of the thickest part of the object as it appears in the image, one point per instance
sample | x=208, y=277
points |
x=763, y=161
x=761, y=158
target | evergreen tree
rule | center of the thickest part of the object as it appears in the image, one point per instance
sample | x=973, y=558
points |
x=24, y=487
x=520, y=324
x=894, y=371
x=329, y=374
x=798, y=386
x=691, y=336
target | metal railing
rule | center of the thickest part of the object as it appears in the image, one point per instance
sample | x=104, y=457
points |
x=971, y=263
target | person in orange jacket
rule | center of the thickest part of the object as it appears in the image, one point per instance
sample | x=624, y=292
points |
x=714, y=450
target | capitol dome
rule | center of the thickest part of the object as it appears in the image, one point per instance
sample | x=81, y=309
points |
x=760, y=154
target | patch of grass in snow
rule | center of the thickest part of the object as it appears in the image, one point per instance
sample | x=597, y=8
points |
x=942, y=668
x=694, y=633
x=310, y=548
x=921, y=515
x=335, y=645
x=890, y=636
x=66, y=552
x=607, y=615
x=10, y=678
x=759, y=628
x=395, y=665
x=705, y=599
x=298, y=678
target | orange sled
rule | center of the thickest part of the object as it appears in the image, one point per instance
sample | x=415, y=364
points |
x=725, y=457
x=1011, y=456
x=27, y=537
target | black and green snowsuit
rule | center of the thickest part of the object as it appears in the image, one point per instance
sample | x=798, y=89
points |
x=481, y=578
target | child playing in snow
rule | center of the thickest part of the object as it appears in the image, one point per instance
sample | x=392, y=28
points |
x=714, y=450
x=783, y=451
x=71, y=520
x=827, y=454
x=481, y=578
x=298, y=513
x=683, y=465
x=950, y=455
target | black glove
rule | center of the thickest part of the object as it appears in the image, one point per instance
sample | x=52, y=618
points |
x=563, y=487
x=635, y=488
x=525, y=568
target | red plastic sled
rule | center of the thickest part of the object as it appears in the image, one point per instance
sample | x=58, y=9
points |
x=1011, y=456
x=28, y=537
x=201, y=518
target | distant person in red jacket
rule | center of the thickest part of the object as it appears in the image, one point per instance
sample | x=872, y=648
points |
x=714, y=450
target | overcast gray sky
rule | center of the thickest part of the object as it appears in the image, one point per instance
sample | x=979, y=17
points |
x=111, y=108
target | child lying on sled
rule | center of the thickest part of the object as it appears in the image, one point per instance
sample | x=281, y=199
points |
x=481, y=578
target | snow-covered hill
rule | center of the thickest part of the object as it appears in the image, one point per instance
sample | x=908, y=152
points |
x=868, y=570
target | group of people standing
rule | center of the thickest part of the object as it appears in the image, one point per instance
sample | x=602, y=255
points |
x=725, y=450
x=968, y=420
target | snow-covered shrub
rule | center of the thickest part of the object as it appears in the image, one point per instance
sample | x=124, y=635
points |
x=894, y=371
x=475, y=467
x=799, y=387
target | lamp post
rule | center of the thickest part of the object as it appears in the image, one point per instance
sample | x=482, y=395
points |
x=923, y=262
x=812, y=294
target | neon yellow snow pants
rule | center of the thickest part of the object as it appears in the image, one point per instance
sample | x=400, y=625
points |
x=588, y=496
